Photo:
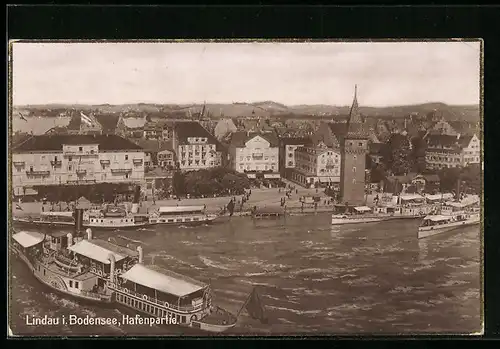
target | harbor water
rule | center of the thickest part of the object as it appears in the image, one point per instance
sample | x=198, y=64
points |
x=315, y=279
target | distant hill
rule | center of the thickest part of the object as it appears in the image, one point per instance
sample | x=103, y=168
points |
x=259, y=109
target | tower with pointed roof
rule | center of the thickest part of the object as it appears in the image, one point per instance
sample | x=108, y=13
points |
x=354, y=147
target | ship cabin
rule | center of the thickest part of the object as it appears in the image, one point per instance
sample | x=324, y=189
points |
x=29, y=243
x=178, y=214
x=160, y=292
x=351, y=210
x=268, y=212
x=99, y=255
x=56, y=217
x=435, y=220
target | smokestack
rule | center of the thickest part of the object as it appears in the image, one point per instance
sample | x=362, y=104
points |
x=112, y=267
x=141, y=256
x=70, y=239
x=89, y=233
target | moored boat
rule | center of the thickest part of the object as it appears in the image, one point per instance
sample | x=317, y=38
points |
x=181, y=215
x=451, y=216
x=52, y=219
x=114, y=217
x=356, y=215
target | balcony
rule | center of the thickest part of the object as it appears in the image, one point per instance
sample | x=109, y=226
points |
x=81, y=181
x=81, y=153
x=257, y=156
x=81, y=171
x=19, y=163
x=56, y=163
x=121, y=170
x=137, y=161
x=105, y=162
x=38, y=173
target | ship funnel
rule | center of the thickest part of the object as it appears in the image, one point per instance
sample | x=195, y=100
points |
x=89, y=233
x=111, y=258
x=135, y=208
x=141, y=256
x=70, y=239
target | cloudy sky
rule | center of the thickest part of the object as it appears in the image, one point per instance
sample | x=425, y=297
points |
x=291, y=73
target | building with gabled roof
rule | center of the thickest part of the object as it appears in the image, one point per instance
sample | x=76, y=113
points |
x=445, y=151
x=195, y=147
x=255, y=153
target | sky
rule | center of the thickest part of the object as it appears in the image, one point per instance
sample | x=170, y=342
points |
x=387, y=73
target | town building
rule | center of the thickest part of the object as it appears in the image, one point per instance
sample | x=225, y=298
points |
x=47, y=160
x=412, y=183
x=196, y=148
x=316, y=165
x=130, y=127
x=288, y=145
x=157, y=153
x=445, y=151
x=224, y=128
x=256, y=154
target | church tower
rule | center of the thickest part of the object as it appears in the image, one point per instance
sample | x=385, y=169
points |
x=354, y=147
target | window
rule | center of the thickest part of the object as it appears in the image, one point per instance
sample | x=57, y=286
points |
x=126, y=175
x=80, y=148
x=70, y=158
x=70, y=283
x=92, y=151
x=69, y=168
x=55, y=158
x=290, y=155
x=360, y=144
x=76, y=284
x=126, y=157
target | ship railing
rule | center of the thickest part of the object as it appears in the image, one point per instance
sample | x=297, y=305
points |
x=186, y=309
x=95, y=295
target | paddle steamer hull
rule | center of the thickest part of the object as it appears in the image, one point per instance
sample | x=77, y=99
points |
x=39, y=223
x=341, y=220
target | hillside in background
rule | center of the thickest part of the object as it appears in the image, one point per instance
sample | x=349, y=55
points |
x=261, y=109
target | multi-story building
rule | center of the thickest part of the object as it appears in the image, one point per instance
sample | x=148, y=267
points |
x=316, y=165
x=75, y=160
x=445, y=151
x=288, y=145
x=255, y=153
x=196, y=148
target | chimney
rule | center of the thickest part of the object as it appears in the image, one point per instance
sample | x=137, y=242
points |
x=458, y=136
x=141, y=256
x=112, y=267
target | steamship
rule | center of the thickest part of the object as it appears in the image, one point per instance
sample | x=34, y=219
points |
x=161, y=293
x=451, y=216
x=53, y=219
x=76, y=267
x=177, y=215
x=115, y=217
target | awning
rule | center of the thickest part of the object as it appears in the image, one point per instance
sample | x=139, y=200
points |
x=28, y=238
x=162, y=280
x=172, y=209
x=362, y=208
x=438, y=218
x=58, y=214
x=98, y=253
x=272, y=175
x=408, y=197
x=437, y=197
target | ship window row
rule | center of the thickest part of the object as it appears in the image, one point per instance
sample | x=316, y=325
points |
x=71, y=283
x=149, y=308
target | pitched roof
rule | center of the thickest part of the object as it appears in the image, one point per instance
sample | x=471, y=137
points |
x=154, y=145
x=356, y=127
x=238, y=139
x=295, y=140
x=184, y=130
x=54, y=142
x=134, y=122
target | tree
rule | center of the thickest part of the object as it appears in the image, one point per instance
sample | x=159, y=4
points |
x=178, y=183
x=396, y=155
x=418, y=154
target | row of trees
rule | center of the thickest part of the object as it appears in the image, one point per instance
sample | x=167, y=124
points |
x=100, y=192
x=209, y=182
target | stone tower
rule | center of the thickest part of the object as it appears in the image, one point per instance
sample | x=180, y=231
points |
x=354, y=147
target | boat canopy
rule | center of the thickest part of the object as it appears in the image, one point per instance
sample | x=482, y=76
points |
x=437, y=197
x=58, y=214
x=408, y=197
x=172, y=209
x=28, y=238
x=438, y=218
x=162, y=280
x=95, y=252
x=362, y=208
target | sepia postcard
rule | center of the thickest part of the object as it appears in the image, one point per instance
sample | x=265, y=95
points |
x=245, y=188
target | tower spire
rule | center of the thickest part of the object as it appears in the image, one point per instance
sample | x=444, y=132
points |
x=355, y=123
